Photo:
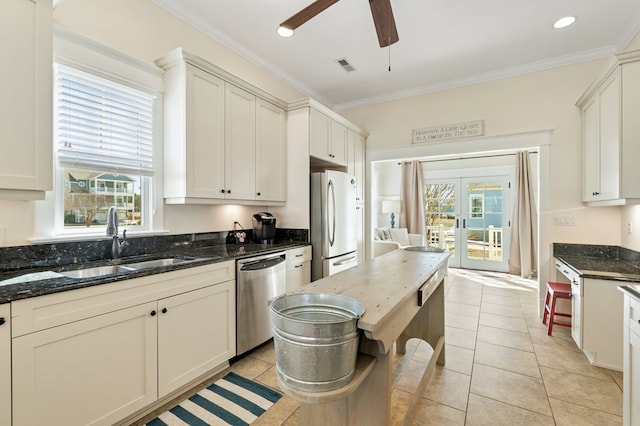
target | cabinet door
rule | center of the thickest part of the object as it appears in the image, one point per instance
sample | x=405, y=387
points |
x=632, y=394
x=90, y=372
x=338, y=143
x=591, y=150
x=196, y=333
x=298, y=274
x=5, y=365
x=610, y=140
x=240, y=144
x=26, y=96
x=271, y=152
x=360, y=233
x=602, y=334
x=319, y=134
x=205, y=149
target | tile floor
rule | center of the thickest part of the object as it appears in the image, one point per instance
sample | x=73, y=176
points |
x=501, y=367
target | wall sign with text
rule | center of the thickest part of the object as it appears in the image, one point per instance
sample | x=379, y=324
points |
x=466, y=129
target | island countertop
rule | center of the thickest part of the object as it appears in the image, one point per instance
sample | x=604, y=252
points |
x=385, y=286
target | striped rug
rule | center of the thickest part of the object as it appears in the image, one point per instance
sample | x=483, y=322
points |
x=232, y=400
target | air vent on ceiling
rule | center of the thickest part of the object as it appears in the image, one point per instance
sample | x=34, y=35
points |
x=345, y=64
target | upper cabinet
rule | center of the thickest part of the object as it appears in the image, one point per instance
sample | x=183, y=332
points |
x=327, y=138
x=610, y=134
x=223, y=138
x=26, y=150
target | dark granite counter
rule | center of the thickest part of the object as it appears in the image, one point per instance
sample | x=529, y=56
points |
x=600, y=262
x=29, y=271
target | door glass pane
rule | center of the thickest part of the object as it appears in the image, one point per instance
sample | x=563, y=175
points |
x=484, y=223
x=440, y=200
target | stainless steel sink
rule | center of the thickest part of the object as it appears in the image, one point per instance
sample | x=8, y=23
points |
x=97, y=271
x=157, y=263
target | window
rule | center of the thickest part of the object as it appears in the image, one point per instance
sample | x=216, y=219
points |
x=103, y=135
x=476, y=206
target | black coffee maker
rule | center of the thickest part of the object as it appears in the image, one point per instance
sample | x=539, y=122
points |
x=264, y=228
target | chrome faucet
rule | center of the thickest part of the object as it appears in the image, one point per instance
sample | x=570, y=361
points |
x=117, y=246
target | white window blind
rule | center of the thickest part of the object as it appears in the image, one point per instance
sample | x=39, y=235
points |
x=102, y=125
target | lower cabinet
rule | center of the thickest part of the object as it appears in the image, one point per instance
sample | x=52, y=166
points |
x=196, y=333
x=90, y=372
x=5, y=364
x=97, y=355
x=631, y=369
x=298, y=268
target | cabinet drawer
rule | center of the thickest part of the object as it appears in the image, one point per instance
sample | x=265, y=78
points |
x=569, y=273
x=634, y=315
x=39, y=313
x=297, y=256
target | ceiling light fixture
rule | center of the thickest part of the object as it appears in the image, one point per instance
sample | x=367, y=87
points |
x=285, y=32
x=564, y=22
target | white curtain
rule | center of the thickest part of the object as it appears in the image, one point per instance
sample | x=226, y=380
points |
x=524, y=244
x=412, y=198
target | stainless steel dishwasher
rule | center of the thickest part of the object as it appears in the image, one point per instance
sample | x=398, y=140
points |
x=260, y=279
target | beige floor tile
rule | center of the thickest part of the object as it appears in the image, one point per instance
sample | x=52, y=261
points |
x=484, y=411
x=458, y=359
x=568, y=414
x=514, y=360
x=512, y=388
x=460, y=337
x=448, y=387
x=430, y=413
x=269, y=378
x=461, y=321
x=560, y=335
x=602, y=395
x=502, y=337
x=250, y=367
x=499, y=321
x=454, y=297
x=266, y=353
x=566, y=357
x=400, y=402
x=281, y=413
x=462, y=309
x=506, y=311
x=507, y=300
x=410, y=376
x=422, y=352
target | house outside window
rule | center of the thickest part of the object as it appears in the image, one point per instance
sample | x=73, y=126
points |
x=476, y=206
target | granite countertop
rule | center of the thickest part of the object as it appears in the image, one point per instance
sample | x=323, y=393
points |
x=39, y=281
x=600, y=262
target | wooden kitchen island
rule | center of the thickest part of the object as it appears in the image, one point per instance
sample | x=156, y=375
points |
x=403, y=295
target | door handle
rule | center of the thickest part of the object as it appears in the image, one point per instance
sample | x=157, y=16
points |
x=457, y=223
x=345, y=261
x=464, y=223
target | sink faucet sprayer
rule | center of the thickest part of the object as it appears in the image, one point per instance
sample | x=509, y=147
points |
x=112, y=231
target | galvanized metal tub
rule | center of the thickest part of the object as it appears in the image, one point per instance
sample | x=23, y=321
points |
x=316, y=339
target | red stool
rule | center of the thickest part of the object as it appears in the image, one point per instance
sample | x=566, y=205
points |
x=555, y=291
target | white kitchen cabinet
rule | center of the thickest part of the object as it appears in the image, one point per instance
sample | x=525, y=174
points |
x=240, y=144
x=631, y=379
x=610, y=130
x=194, y=161
x=26, y=150
x=196, y=333
x=271, y=152
x=360, y=233
x=5, y=364
x=95, y=371
x=327, y=138
x=99, y=354
x=298, y=268
x=218, y=129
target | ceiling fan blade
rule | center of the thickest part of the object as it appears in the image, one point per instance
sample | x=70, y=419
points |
x=307, y=13
x=384, y=22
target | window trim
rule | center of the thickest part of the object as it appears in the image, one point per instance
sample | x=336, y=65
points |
x=86, y=55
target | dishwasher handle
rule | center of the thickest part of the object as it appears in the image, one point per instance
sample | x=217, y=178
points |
x=264, y=263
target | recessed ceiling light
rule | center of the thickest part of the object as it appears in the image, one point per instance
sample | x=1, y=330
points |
x=564, y=22
x=285, y=32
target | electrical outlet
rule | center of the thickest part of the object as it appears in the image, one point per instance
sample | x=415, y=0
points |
x=564, y=221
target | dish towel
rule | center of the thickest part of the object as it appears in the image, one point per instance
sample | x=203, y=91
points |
x=232, y=400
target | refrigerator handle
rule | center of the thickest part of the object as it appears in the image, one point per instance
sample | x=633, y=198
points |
x=331, y=208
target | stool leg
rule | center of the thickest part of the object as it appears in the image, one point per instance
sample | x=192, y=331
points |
x=551, y=315
x=546, y=306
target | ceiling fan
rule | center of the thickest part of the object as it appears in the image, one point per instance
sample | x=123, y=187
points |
x=380, y=10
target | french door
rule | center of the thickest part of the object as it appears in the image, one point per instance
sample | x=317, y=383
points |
x=470, y=217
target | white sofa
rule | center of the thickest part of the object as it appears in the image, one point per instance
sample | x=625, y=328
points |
x=389, y=239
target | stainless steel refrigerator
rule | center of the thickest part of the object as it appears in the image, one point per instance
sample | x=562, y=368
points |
x=333, y=223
